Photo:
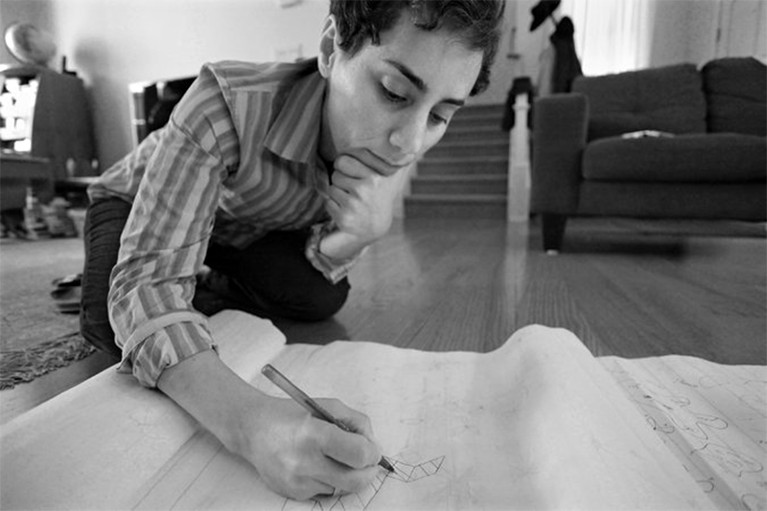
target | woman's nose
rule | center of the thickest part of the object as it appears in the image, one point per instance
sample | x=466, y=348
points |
x=408, y=135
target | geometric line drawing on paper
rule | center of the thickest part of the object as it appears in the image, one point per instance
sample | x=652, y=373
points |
x=408, y=473
x=403, y=472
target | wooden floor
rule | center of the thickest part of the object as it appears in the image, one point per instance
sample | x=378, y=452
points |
x=468, y=285
x=623, y=288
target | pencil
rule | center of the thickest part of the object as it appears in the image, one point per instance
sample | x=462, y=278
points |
x=300, y=397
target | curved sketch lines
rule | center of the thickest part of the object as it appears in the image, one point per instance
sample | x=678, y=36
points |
x=697, y=424
x=707, y=485
x=756, y=395
x=729, y=460
x=753, y=502
x=713, y=419
x=663, y=426
x=676, y=413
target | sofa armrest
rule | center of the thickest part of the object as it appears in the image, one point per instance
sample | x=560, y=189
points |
x=559, y=138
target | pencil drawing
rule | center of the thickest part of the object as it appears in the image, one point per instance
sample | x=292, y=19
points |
x=403, y=472
x=689, y=423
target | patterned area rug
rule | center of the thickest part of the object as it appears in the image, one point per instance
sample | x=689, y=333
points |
x=37, y=334
x=24, y=365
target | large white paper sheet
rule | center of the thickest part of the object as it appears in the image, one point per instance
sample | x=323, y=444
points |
x=536, y=424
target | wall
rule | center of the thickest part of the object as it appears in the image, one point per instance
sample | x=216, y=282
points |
x=678, y=26
x=526, y=45
x=743, y=26
x=114, y=43
x=502, y=72
x=12, y=11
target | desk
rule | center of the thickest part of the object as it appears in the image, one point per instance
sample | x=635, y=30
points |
x=17, y=172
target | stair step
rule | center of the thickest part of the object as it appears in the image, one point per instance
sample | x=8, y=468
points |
x=463, y=165
x=483, y=133
x=488, y=116
x=465, y=175
x=475, y=123
x=455, y=206
x=459, y=184
x=487, y=111
x=461, y=148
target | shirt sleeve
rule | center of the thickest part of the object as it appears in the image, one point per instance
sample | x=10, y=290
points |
x=166, y=236
x=334, y=270
x=123, y=178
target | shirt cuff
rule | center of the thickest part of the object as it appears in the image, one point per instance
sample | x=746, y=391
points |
x=334, y=270
x=164, y=348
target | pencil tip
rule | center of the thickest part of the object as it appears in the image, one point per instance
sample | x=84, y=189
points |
x=385, y=464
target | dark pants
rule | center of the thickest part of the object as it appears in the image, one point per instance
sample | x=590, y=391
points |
x=271, y=278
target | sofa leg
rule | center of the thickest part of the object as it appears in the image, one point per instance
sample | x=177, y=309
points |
x=553, y=228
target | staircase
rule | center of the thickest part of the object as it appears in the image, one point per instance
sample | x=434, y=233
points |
x=465, y=174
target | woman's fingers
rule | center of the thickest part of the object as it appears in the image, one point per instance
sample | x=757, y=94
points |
x=343, y=479
x=350, y=449
x=357, y=421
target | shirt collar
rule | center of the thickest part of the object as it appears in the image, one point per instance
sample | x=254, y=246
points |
x=295, y=133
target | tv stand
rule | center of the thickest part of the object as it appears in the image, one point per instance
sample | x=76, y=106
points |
x=17, y=173
x=59, y=147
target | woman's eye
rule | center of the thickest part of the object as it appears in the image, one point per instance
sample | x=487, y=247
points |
x=392, y=96
x=437, y=119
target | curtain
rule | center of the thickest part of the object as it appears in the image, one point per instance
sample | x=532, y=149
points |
x=611, y=35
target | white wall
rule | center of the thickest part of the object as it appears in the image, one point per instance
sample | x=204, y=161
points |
x=112, y=43
x=743, y=28
x=527, y=45
x=12, y=11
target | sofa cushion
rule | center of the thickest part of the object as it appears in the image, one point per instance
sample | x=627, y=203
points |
x=736, y=201
x=666, y=98
x=716, y=157
x=736, y=91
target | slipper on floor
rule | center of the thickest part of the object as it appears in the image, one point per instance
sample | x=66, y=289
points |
x=74, y=279
x=66, y=293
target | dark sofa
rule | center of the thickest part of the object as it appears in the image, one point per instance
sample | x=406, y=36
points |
x=696, y=149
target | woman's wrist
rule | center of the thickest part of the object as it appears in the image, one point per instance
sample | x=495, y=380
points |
x=340, y=246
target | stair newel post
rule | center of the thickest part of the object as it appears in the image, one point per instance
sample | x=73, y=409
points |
x=399, y=202
x=518, y=202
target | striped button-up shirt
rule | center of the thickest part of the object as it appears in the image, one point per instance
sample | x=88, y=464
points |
x=238, y=158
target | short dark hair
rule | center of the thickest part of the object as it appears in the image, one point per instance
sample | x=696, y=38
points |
x=476, y=22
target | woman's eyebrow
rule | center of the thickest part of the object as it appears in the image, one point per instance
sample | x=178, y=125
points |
x=418, y=82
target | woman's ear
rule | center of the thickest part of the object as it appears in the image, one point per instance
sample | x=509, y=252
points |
x=328, y=46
